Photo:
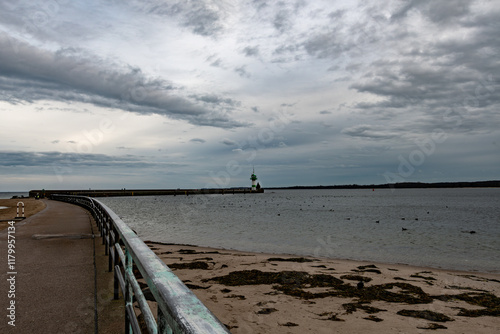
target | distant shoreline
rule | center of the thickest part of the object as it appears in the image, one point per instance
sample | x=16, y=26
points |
x=139, y=192
x=402, y=185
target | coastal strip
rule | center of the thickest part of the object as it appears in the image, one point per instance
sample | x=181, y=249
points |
x=269, y=293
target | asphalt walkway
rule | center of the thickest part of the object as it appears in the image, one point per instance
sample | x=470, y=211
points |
x=54, y=284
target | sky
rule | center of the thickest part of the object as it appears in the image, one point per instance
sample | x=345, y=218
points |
x=196, y=94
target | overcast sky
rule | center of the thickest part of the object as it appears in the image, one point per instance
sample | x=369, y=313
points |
x=192, y=94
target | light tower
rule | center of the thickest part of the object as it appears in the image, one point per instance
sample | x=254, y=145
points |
x=254, y=180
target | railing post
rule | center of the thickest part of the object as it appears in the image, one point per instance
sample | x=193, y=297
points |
x=116, y=289
x=128, y=291
x=163, y=327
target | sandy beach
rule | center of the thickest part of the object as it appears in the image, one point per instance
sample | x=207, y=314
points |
x=31, y=206
x=265, y=293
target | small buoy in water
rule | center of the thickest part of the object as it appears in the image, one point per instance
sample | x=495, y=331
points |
x=403, y=218
x=377, y=221
x=404, y=229
x=416, y=218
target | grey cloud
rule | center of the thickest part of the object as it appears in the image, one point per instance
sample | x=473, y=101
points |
x=325, y=45
x=229, y=142
x=447, y=83
x=216, y=63
x=281, y=20
x=368, y=131
x=285, y=48
x=28, y=74
x=202, y=17
x=216, y=100
x=242, y=71
x=250, y=51
x=436, y=11
x=70, y=160
x=198, y=140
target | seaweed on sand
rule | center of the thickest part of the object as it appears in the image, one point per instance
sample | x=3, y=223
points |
x=331, y=316
x=353, y=307
x=296, y=278
x=293, y=283
x=267, y=310
x=371, y=268
x=189, y=265
x=356, y=278
x=490, y=302
x=292, y=259
x=427, y=315
x=297, y=283
x=433, y=326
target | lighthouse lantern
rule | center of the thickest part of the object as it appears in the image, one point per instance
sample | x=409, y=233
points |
x=254, y=180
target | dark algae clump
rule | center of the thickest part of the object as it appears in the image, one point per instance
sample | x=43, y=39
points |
x=298, y=284
x=356, y=278
x=427, y=315
x=490, y=302
x=433, y=326
x=293, y=259
x=353, y=307
x=189, y=265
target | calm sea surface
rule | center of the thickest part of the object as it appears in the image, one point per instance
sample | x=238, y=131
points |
x=349, y=224
x=7, y=195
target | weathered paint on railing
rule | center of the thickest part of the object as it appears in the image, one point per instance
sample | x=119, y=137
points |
x=179, y=310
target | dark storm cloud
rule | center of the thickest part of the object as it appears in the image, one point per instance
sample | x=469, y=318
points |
x=448, y=82
x=44, y=159
x=28, y=74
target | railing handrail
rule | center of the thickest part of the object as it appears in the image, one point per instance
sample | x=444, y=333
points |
x=179, y=310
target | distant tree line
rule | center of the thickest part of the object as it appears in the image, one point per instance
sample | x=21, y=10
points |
x=476, y=184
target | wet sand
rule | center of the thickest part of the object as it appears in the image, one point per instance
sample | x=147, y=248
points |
x=31, y=206
x=265, y=293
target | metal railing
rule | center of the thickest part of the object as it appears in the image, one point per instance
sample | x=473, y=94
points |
x=179, y=310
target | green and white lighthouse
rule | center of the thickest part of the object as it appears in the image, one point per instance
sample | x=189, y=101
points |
x=254, y=180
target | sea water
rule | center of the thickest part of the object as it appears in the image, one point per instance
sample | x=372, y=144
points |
x=444, y=228
x=7, y=195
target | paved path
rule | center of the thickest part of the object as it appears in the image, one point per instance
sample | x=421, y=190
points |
x=55, y=289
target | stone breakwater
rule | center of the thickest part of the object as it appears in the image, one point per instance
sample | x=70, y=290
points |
x=142, y=192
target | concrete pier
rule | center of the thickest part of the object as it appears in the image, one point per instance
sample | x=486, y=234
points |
x=57, y=287
x=143, y=192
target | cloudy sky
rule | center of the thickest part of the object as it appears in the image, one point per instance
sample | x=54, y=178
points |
x=181, y=93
